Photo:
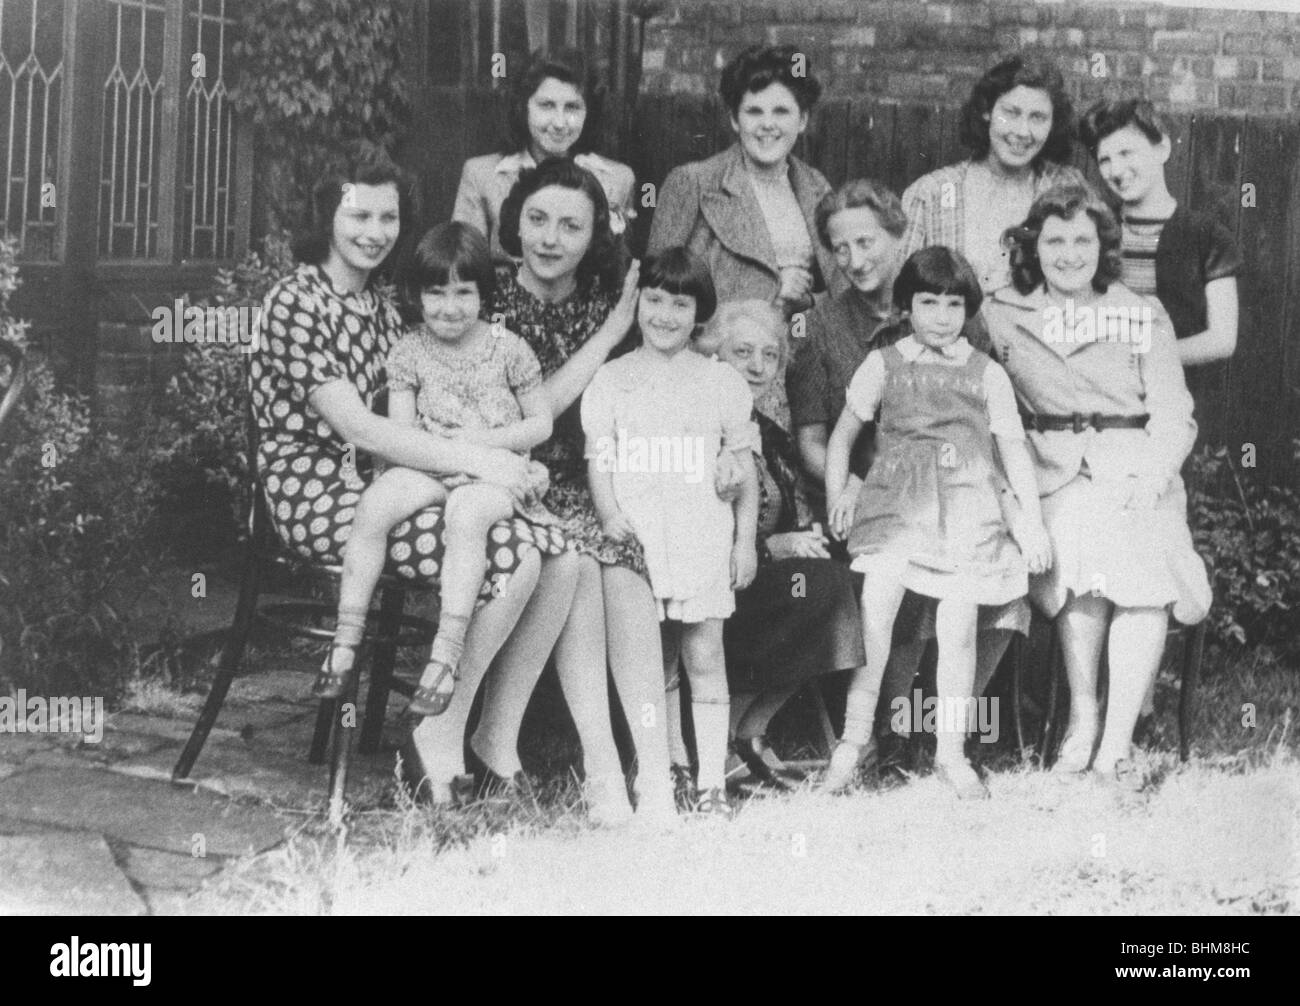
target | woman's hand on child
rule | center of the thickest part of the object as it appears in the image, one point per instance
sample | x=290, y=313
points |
x=620, y=319
x=744, y=564
x=728, y=477
x=618, y=527
x=841, y=515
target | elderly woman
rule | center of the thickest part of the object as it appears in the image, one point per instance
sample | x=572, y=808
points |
x=550, y=115
x=1110, y=422
x=1018, y=124
x=748, y=211
x=799, y=618
x=322, y=340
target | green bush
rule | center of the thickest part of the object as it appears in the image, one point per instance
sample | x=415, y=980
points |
x=201, y=469
x=78, y=503
x=1251, y=533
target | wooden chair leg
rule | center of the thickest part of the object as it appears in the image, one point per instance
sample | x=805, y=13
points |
x=344, y=725
x=326, y=714
x=228, y=664
x=1193, y=652
x=381, y=667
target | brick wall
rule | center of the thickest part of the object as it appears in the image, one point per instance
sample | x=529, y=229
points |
x=904, y=50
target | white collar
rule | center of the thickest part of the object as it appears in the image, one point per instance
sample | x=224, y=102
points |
x=513, y=164
x=911, y=348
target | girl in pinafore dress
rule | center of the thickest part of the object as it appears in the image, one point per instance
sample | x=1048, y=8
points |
x=460, y=377
x=928, y=516
x=655, y=421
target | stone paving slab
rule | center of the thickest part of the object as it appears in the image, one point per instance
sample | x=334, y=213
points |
x=138, y=811
x=153, y=868
x=63, y=874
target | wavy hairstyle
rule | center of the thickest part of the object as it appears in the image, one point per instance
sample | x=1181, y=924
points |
x=603, y=263
x=569, y=66
x=1066, y=202
x=858, y=193
x=361, y=165
x=760, y=66
x=1019, y=71
x=1106, y=117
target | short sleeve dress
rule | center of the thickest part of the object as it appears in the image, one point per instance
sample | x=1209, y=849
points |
x=477, y=390
x=309, y=335
x=554, y=332
x=658, y=426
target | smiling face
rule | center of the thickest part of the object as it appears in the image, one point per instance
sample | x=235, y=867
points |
x=1019, y=125
x=1132, y=165
x=865, y=252
x=768, y=122
x=1069, y=251
x=755, y=352
x=556, y=114
x=450, y=310
x=555, y=230
x=666, y=319
x=366, y=225
x=937, y=318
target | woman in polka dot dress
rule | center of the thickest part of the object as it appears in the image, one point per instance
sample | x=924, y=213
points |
x=324, y=332
x=452, y=375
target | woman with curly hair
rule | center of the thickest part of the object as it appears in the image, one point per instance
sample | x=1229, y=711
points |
x=1018, y=124
x=750, y=211
x=1109, y=420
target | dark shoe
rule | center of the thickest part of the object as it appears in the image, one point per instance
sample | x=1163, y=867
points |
x=714, y=803
x=683, y=787
x=432, y=701
x=750, y=751
x=331, y=683
x=414, y=779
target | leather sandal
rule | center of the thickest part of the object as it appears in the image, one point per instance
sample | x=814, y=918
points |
x=430, y=701
x=331, y=684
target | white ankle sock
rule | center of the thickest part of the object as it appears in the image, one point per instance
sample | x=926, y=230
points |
x=712, y=721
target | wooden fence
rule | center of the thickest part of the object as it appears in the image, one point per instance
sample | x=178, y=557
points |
x=1245, y=170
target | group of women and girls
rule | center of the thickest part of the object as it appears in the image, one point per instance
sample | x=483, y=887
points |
x=917, y=464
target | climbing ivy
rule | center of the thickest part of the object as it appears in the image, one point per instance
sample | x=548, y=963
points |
x=315, y=75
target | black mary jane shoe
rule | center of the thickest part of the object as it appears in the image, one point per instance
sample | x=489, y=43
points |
x=750, y=751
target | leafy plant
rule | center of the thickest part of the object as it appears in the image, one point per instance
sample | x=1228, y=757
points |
x=313, y=77
x=1251, y=532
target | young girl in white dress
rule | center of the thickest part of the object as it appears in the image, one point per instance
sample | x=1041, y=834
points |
x=928, y=517
x=655, y=421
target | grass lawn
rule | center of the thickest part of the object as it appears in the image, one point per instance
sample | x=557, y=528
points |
x=1219, y=835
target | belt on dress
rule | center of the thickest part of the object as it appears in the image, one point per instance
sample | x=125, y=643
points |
x=1080, y=421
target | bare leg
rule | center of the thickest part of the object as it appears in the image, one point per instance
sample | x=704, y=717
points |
x=519, y=664
x=1082, y=625
x=1137, y=640
x=882, y=593
x=954, y=677
x=471, y=511
x=636, y=659
x=388, y=500
x=440, y=740
x=670, y=640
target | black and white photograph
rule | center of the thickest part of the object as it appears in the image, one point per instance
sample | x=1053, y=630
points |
x=651, y=457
